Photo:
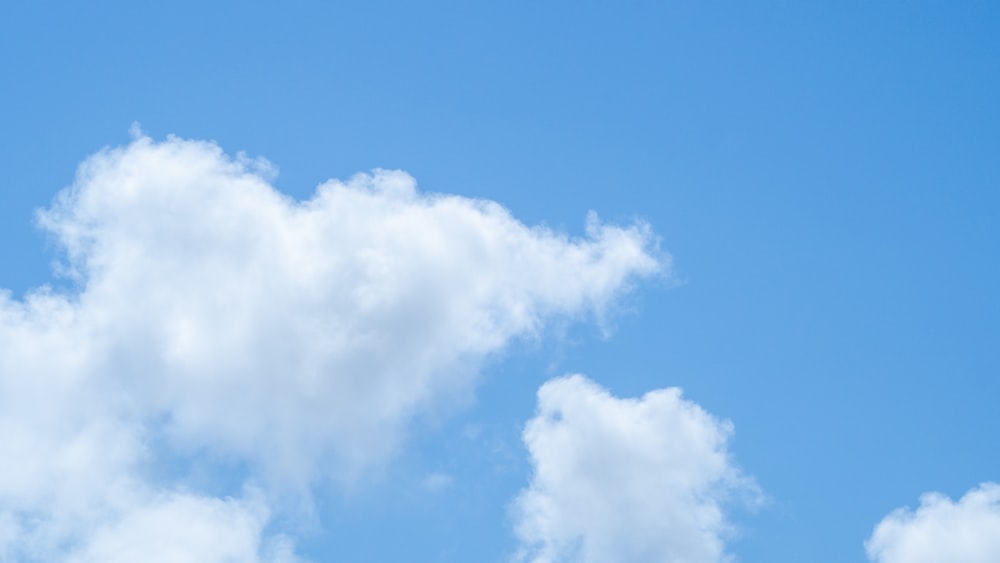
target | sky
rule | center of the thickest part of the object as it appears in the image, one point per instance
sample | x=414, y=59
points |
x=540, y=282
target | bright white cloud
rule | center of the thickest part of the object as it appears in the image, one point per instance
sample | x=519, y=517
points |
x=335, y=319
x=941, y=530
x=216, y=317
x=625, y=480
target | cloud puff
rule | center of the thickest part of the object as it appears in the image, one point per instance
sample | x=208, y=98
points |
x=625, y=480
x=941, y=530
x=215, y=318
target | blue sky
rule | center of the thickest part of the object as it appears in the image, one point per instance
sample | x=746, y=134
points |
x=824, y=179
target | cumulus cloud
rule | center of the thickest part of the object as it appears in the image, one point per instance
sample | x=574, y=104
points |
x=214, y=317
x=941, y=530
x=625, y=480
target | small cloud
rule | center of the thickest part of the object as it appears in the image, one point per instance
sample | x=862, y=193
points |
x=437, y=482
x=641, y=480
x=135, y=131
x=940, y=529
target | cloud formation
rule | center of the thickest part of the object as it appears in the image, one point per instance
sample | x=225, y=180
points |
x=941, y=530
x=216, y=319
x=625, y=480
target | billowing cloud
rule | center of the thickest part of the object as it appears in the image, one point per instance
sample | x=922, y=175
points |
x=625, y=480
x=215, y=318
x=941, y=530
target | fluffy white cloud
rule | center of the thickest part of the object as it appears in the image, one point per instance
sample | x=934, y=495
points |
x=941, y=530
x=335, y=319
x=214, y=316
x=625, y=480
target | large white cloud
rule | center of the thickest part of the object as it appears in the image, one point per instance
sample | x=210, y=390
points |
x=941, y=530
x=213, y=316
x=625, y=480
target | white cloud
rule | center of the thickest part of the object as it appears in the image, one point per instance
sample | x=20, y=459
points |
x=336, y=318
x=180, y=528
x=941, y=530
x=625, y=480
x=215, y=317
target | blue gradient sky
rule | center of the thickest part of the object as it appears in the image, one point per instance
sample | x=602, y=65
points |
x=825, y=176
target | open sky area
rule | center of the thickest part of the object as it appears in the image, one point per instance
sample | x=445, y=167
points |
x=509, y=282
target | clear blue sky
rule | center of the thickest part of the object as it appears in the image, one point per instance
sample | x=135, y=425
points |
x=825, y=177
